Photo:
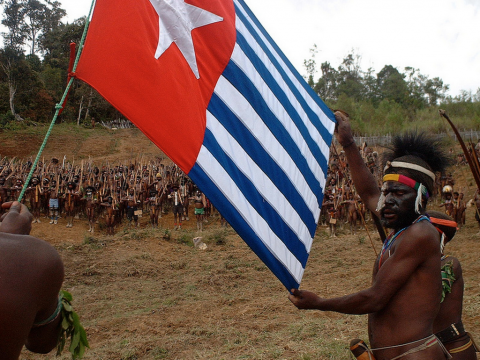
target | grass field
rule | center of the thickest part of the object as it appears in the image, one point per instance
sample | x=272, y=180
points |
x=142, y=295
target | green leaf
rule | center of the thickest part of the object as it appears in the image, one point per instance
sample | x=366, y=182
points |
x=81, y=351
x=65, y=323
x=66, y=295
x=75, y=341
x=83, y=337
x=71, y=328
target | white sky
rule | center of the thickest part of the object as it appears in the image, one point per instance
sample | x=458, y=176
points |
x=439, y=37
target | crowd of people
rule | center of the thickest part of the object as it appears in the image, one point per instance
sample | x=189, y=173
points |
x=342, y=204
x=111, y=193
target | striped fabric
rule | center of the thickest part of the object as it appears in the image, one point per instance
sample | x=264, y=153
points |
x=230, y=111
x=263, y=162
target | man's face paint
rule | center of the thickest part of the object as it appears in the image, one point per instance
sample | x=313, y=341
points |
x=398, y=210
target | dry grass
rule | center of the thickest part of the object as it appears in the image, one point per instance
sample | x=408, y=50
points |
x=143, y=297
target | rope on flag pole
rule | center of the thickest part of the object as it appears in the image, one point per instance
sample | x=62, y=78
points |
x=59, y=106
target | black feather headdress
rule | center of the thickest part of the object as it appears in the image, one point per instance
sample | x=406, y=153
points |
x=419, y=145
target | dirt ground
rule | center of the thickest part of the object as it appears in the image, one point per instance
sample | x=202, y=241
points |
x=141, y=296
x=150, y=294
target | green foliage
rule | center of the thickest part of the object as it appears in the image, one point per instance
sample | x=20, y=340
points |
x=448, y=278
x=71, y=329
x=391, y=100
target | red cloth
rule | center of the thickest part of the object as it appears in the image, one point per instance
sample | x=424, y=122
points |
x=161, y=97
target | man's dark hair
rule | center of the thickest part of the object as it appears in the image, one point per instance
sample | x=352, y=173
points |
x=420, y=149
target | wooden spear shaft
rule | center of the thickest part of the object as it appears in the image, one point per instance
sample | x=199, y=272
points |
x=476, y=175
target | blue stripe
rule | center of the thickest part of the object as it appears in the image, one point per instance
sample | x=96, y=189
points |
x=283, y=99
x=243, y=84
x=258, y=154
x=235, y=219
x=256, y=200
x=310, y=113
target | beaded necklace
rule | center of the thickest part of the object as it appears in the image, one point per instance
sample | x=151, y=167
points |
x=394, y=236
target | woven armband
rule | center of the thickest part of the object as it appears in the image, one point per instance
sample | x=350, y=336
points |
x=52, y=317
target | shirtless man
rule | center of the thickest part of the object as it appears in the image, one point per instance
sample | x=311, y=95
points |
x=34, y=192
x=177, y=201
x=448, y=326
x=199, y=203
x=109, y=215
x=71, y=194
x=448, y=204
x=91, y=202
x=404, y=297
x=29, y=293
x=53, y=203
x=352, y=212
x=460, y=210
x=154, y=204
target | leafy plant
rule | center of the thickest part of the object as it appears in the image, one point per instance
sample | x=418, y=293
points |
x=71, y=328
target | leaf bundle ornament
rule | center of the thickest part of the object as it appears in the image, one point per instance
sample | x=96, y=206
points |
x=71, y=328
x=448, y=278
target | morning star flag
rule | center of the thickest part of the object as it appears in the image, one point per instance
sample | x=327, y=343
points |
x=205, y=82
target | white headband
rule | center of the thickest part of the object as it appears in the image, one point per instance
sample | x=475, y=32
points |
x=399, y=164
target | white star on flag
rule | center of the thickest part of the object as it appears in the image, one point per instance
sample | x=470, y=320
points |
x=177, y=19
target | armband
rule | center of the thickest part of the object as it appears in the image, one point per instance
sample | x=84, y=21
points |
x=52, y=317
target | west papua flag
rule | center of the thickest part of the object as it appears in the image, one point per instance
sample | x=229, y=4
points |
x=206, y=83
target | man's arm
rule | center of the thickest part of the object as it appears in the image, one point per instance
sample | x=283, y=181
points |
x=390, y=278
x=42, y=286
x=43, y=339
x=364, y=182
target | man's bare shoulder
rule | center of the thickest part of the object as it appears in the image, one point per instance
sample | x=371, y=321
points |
x=26, y=249
x=421, y=236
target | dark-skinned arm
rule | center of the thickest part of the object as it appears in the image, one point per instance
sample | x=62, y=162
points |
x=391, y=277
x=44, y=339
x=364, y=182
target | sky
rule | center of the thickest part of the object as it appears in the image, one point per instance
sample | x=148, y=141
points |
x=441, y=38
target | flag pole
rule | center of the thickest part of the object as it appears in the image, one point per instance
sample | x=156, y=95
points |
x=59, y=106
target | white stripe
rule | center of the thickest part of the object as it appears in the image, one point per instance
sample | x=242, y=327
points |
x=244, y=63
x=247, y=115
x=314, y=133
x=222, y=180
x=329, y=124
x=262, y=183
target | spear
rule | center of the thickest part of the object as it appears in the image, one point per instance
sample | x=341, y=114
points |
x=475, y=172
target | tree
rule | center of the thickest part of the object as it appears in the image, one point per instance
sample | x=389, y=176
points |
x=41, y=18
x=9, y=60
x=14, y=12
x=34, y=20
x=326, y=86
x=370, y=86
x=349, y=77
x=28, y=19
x=392, y=85
x=435, y=90
x=310, y=65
